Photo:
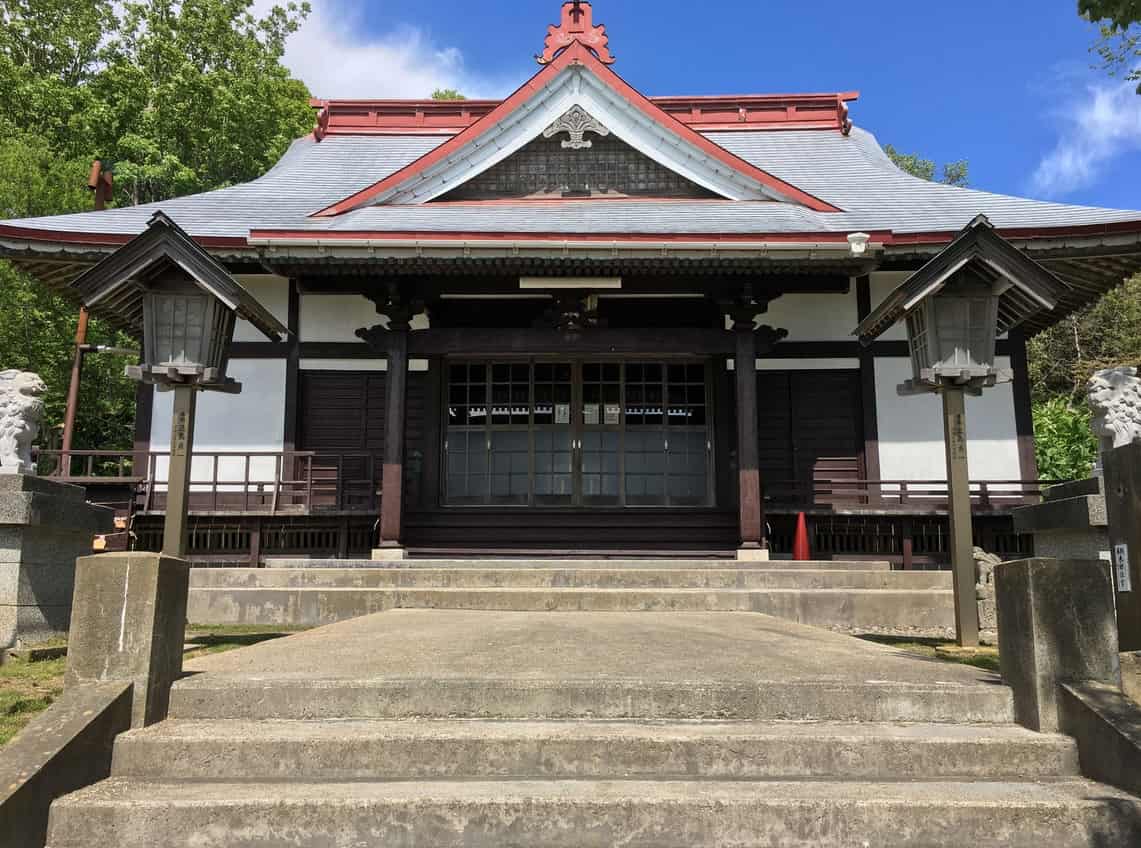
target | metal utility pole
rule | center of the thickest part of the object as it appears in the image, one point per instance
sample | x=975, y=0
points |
x=101, y=184
x=959, y=507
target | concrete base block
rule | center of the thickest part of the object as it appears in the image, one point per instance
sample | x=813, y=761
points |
x=62, y=750
x=129, y=624
x=44, y=526
x=393, y=554
x=752, y=554
x=1056, y=624
x=1107, y=727
x=1072, y=544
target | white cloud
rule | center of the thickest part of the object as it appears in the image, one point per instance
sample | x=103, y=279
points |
x=336, y=55
x=1095, y=128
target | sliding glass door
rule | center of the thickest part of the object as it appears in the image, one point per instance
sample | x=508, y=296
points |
x=583, y=433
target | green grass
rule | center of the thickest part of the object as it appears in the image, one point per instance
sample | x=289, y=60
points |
x=29, y=688
x=984, y=657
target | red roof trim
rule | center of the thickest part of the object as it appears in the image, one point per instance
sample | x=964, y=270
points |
x=884, y=237
x=881, y=237
x=106, y=239
x=707, y=113
x=575, y=54
x=729, y=238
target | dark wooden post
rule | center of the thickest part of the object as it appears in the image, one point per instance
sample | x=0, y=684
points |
x=392, y=341
x=754, y=545
x=750, y=341
x=392, y=476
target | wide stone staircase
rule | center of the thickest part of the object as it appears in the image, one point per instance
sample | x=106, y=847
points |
x=603, y=725
x=853, y=596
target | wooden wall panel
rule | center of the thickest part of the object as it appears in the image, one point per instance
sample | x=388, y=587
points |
x=810, y=427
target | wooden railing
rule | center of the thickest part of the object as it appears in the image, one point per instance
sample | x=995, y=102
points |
x=299, y=482
x=903, y=494
x=304, y=482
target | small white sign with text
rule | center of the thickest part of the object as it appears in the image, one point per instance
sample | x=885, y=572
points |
x=1121, y=565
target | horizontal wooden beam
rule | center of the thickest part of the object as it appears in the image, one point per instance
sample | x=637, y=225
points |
x=514, y=342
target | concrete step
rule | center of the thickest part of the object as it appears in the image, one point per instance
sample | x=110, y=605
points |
x=586, y=814
x=679, y=577
x=870, y=610
x=457, y=750
x=301, y=697
x=658, y=563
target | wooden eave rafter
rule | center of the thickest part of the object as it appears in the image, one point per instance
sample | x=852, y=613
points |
x=574, y=55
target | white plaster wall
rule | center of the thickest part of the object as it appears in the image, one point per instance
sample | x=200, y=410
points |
x=815, y=317
x=273, y=293
x=911, y=429
x=250, y=422
x=883, y=283
x=337, y=317
x=830, y=364
x=414, y=365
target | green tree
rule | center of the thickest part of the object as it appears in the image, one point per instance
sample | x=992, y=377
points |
x=1120, y=43
x=447, y=94
x=181, y=95
x=953, y=173
x=1104, y=335
x=1066, y=447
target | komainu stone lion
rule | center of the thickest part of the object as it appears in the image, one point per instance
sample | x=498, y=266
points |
x=1115, y=397
x=21, y=411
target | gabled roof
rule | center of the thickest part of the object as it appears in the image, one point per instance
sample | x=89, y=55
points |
x=113, y=287
x=1026, y=287
x=577, y=77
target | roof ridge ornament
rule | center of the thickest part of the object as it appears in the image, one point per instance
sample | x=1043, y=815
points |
x=577, y=24
x=577, y=122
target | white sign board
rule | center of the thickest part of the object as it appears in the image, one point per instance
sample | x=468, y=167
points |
x=1121, y=565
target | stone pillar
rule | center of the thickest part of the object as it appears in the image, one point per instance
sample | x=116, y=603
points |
x=1055, y=625
x=44, y=526
x=129, y=624
x=1123, y=514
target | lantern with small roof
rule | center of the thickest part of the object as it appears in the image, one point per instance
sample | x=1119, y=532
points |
x=167, y=288
x=955, y=307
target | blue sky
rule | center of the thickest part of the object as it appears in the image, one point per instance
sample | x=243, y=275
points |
x=1005, y=84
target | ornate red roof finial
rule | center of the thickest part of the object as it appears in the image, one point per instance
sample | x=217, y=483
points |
x=577, y=25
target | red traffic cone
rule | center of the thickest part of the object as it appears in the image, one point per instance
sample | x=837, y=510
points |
x=800, y=550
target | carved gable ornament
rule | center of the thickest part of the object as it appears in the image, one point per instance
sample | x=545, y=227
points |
x=576, y=121
x=577, y=24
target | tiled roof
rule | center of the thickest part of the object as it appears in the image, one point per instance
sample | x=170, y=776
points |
x=849, y=171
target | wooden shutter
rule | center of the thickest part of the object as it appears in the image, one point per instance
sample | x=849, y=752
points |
x=810, y=428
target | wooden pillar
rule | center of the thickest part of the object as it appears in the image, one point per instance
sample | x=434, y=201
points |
x=754, y=545
x=292, y=369
x=392, y=477
x=959, y=497
x=870, y=452
x=175, y=532
x=1023, y=411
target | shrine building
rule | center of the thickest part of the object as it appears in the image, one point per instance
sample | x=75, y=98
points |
x=580, y=320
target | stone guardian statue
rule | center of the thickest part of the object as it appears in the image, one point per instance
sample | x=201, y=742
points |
x=21, y=411
x=1115, y=398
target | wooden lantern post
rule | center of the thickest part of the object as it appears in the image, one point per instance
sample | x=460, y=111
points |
x=959, y=509
x=955, y=307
